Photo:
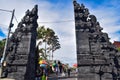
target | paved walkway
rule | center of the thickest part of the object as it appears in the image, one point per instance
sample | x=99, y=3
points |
x=54, y=77
x=59, y=77
x=72, y=77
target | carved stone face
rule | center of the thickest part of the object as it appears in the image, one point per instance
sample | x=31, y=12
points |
x=27, y=19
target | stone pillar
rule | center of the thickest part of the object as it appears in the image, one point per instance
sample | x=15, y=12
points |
x=21, y=52
x=96, y=55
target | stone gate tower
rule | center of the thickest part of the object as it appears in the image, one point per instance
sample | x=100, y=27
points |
x=20, y=54
x=97, y=57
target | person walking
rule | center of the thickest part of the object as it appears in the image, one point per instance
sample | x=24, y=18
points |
x=60, y=67
x=39, y=73
x=44, y=70
x=45, y=73
x=55, y=67
x=68, y=71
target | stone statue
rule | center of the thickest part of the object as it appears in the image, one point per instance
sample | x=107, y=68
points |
x=92, y=18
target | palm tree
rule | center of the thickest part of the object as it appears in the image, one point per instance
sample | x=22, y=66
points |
x=54, y=44
x=47, y=37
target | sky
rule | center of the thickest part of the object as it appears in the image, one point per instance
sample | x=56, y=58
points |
x=59, y=16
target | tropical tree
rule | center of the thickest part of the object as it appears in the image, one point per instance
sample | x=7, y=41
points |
x=47, y=37
x=54, y=44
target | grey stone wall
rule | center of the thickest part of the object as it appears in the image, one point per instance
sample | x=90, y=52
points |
x=97, y=57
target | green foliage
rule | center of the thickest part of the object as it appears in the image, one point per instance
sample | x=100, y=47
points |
x=49, y=39
x=118, y=49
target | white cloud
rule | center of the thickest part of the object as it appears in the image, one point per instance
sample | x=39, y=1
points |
x=20, y=7
x=65, y=31
x=47, y=12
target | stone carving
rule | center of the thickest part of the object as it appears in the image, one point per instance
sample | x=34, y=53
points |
x=20, y=54
x=97, y=57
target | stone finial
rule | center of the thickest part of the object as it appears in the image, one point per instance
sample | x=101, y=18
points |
x=74, y=1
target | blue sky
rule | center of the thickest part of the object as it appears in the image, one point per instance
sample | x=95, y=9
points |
x=2, y=34
x=106, y=11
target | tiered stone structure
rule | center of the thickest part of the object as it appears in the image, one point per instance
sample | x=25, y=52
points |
x=20, y=54
x=97, y=57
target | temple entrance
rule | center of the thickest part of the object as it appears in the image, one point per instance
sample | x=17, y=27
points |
x=97, y=58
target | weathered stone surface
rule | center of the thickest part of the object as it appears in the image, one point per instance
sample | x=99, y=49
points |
x=97, y=57
x=20, y=54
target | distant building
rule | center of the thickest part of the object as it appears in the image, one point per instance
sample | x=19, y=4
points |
x=117, y=44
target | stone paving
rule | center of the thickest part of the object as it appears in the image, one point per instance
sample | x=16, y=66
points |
x=54, y=77
x=72, y=77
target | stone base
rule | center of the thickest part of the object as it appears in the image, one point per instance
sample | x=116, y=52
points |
x=5, y=78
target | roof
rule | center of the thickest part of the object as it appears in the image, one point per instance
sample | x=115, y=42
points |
x=117, y=44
